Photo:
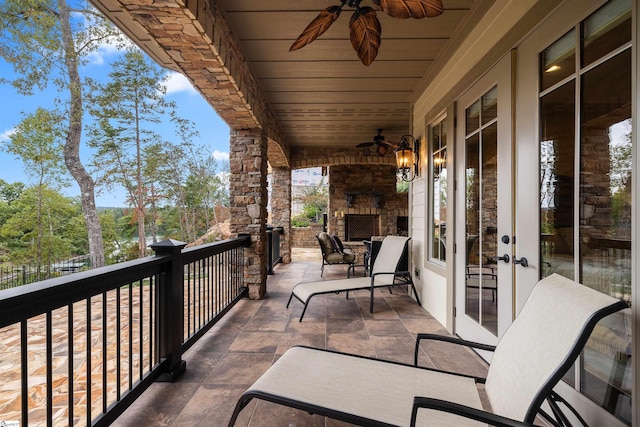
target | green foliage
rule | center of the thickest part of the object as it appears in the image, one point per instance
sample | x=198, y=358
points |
x=38, y=141
x=315, y=200
x=300, y=221
x=402, y=187
x=10, y=192
x=41, y=208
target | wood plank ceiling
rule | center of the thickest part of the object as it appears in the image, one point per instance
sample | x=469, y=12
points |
x=322, y=95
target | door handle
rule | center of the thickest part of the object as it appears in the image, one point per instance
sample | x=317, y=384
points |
x=522, y=261
x=504, y=258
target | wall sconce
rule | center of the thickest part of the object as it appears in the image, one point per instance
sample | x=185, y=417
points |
x=350, y=200
x=377, y=201
x=408, y=158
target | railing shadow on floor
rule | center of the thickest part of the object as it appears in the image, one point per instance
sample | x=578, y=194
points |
x=80, y=349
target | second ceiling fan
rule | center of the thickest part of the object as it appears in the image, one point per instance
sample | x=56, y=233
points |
x=382, y=146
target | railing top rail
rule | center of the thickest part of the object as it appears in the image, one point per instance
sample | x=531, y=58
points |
x=37, y=298
x=41, y=297
x=215, y=248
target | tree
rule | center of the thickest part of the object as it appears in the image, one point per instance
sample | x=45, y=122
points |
x=44, y=44
x=10, y=192
x=57, y=235
x=195, y=184
x=315, y=200
x=124, y=109
x=37, y=141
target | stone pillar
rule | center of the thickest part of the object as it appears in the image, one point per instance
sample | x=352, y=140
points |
x=248, y=203
x=281, y=208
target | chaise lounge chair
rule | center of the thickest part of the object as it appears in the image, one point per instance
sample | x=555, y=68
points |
x=535, y=352
x=384, y=274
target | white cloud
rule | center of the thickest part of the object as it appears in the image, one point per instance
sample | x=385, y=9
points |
x=177, y=82
x=108, y=48
x=220, y=155
x=6, y=135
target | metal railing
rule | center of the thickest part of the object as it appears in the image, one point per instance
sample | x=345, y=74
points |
x=79, y=349
x=273, y=247
x=12, y=276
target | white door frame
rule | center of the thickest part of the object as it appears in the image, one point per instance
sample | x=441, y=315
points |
x=465, y=326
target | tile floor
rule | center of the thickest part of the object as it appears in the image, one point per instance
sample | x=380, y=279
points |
x=235, y=352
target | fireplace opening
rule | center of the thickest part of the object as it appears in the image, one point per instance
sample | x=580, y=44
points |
x=403, y=225
x=361, y=227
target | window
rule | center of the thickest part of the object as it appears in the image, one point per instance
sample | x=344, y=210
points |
x=438, y=198
x=585, y=186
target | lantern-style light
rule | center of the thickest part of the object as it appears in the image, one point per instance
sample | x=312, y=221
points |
x=407, y=158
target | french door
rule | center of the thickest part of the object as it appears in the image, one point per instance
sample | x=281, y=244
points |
x=484, y=177
x=574, y=157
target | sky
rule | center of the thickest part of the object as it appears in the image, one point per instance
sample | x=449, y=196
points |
x=214, y=133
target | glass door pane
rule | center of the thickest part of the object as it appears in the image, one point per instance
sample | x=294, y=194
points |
x=481, y=202
x=472, y=288
x=605, y=227
x=585, y=189
x=557, y=172
x=439, y=191
x=489, y=231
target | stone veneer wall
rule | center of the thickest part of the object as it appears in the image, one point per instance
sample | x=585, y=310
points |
x=248, y=203
x=305, y=237
x=364, y=181
x=334, y=156
x=281, y=208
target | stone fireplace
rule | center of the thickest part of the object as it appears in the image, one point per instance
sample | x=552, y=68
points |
x=363, y=202
x=361, y=227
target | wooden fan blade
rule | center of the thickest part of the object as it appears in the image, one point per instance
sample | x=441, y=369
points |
x=365, y=34
x=382, y=150
x=390, y=144
x=364, y=144
x=417, y=9
x=317, y=27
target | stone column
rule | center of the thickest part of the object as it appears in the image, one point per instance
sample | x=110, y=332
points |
x=281, y=208
x=248, y=203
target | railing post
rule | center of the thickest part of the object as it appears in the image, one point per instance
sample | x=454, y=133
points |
x=171, y=308
x=277, y=247
x=269, y=249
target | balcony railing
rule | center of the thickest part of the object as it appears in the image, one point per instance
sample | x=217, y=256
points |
x=79, y=349
x=273, y=247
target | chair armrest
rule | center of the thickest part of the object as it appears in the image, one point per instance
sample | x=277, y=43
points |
x=463, y=411
x=453, y=340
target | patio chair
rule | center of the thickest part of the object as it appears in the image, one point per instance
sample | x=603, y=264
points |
x=333, y=252
x=535, y=352
x=384, y=274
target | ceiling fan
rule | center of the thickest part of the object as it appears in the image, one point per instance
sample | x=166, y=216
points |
x=364, y=25
x=382, y=146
